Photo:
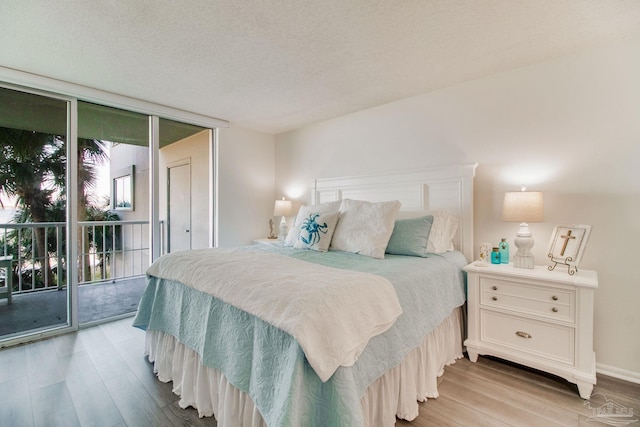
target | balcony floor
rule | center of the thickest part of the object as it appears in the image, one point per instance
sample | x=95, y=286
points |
x=45, y=309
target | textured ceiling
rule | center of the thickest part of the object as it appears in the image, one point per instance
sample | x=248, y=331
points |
x=281, y=64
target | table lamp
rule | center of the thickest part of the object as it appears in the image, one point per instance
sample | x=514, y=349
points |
x=282, y=208
x=523, y=207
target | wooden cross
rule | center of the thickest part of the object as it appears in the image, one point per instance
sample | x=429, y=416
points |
x=566, y=241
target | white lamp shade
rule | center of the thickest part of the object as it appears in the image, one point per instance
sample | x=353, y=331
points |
x=282, y=208
x=523, y=206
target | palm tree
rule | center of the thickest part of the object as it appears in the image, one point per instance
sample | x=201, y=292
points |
x=32, y=169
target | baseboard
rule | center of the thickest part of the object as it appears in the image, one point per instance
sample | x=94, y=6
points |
x=622, y=374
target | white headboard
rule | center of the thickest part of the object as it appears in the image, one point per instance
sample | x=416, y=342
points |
x=447, y=188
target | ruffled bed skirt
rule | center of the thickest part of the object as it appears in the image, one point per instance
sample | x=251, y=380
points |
x=396, y=393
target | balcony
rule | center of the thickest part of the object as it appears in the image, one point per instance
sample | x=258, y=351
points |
x=113, y=257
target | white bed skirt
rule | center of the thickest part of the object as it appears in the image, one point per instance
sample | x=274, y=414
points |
x=396, y=393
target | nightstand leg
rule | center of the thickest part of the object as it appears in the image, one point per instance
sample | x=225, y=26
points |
x=585, y=389
x=473, y=355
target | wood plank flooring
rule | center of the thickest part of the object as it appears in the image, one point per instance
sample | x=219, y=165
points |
x=493, y=392
x=99, y=377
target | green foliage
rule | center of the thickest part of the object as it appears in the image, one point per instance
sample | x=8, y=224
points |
x=108, y=237
x=32, y=166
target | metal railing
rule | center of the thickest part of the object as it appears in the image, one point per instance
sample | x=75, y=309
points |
x=107, y=250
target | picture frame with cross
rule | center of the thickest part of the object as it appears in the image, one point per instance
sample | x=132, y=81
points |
x=567, y=246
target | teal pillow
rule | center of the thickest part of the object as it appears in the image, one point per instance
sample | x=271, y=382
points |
x=410, y=236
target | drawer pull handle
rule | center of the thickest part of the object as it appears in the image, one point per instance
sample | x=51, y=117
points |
x=494, y=298
x=555, y=310
x=495, y=288
x=555, y=298
x=523, y=334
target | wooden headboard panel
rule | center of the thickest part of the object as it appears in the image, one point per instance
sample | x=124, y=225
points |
x=447, y=188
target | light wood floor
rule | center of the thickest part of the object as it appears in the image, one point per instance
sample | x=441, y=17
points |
x=492, y=392
x=99, y=377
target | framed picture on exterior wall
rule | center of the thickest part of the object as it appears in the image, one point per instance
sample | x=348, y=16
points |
x=123, y=189
x=567, y=246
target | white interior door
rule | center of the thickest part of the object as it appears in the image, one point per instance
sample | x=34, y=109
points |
x=179, y=209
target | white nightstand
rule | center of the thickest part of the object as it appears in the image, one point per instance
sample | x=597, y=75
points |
x=535, y=317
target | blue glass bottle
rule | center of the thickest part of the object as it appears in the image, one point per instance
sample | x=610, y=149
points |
x=504, y=251
x=495, y=256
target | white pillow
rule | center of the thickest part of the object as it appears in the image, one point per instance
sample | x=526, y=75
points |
x=365, y=227
x=443, y=230
x=303, y=213
x=316, y=231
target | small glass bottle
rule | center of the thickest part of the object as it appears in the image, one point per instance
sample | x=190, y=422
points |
x=504, y=251
x=495, y=256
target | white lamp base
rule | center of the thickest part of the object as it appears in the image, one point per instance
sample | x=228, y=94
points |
x=523, y=261
x=524, y=242
x=284, y=229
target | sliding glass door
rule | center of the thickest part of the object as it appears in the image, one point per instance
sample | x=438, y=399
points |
x=34, y=150
x=113, y=211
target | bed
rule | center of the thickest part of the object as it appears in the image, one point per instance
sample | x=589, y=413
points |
x=360, y=343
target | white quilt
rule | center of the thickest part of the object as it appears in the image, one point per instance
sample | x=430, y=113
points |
x=332, y=313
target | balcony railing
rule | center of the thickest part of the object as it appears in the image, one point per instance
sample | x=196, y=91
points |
x=107, y=250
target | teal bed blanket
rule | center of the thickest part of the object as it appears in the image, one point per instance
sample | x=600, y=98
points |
x=270, y=366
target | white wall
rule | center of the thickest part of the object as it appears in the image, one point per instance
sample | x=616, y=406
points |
x=568, y=127
x=245, y=185
x=135, y=237
x=121, y=157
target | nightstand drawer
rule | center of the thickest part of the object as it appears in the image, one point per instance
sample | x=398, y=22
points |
x=546, y=340
x=552, y=303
